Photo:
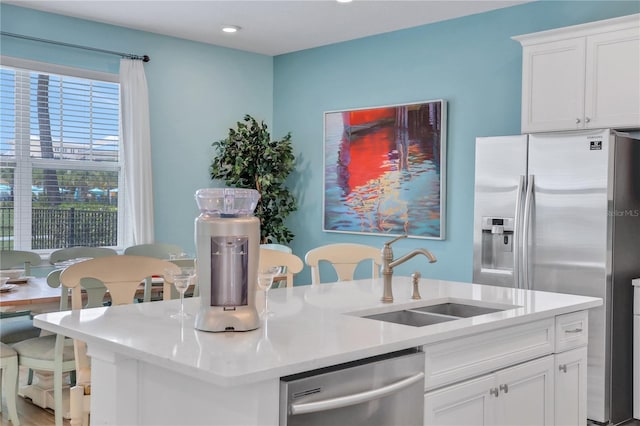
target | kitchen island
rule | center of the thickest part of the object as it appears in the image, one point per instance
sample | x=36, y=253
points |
x=150, y=369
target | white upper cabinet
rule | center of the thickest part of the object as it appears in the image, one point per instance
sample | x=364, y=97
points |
x=581, y=77
x=612, y=98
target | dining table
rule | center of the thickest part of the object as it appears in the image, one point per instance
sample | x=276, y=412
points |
x=30, y=293
x=35, y=295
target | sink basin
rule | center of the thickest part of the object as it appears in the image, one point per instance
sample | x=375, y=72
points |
x=457, y=310
x=434, y=314
x=411, y=317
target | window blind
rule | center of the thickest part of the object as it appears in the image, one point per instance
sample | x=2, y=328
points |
x=58, y=117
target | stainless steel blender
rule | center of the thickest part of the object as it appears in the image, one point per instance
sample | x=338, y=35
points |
x=227, y=248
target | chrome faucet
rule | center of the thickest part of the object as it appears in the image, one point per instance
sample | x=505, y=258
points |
x=388, y=264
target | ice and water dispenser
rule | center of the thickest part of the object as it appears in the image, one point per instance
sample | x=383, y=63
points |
x=227, y=238
x=497, y=243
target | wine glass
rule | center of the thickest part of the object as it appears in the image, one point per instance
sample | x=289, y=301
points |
x=182, y=279
x=265, y=281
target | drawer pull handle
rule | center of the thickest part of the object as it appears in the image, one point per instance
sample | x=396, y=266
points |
x=563, y=368
x=494, y=391
x=504, y=388
x=575, y=330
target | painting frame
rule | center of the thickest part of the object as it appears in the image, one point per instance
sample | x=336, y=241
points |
x=384, y=170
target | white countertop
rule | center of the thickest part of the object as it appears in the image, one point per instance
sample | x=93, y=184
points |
x=312, y=327
x=636, y=282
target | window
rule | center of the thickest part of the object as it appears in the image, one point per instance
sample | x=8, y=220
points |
x=60, y=176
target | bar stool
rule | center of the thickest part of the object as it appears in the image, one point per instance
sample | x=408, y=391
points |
x=9, y=369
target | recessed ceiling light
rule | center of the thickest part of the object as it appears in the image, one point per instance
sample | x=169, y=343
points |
x=230, y=28
x=344, y=1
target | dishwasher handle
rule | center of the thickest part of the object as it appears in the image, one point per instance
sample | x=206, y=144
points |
x=353, y=399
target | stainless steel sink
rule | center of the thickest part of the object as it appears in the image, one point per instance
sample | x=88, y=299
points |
x=411, y=317
x=434, y=314
x=457, y=310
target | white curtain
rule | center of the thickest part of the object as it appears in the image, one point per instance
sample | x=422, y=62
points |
x=136, y=148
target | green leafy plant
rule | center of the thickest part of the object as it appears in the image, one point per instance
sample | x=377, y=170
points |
x=248, y=158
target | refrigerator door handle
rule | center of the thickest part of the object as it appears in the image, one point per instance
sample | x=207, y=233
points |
x=525, y=233
x=517, y=234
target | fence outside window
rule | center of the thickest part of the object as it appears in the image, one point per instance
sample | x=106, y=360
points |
x=61, y=228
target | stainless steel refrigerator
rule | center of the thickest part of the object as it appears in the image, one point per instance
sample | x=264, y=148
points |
x=561, y=212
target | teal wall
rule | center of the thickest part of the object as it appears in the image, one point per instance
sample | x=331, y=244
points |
x=471, y=62
x=198, y=91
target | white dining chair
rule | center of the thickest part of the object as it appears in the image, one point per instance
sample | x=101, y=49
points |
x=121, y=276
x=157, y=250
x=50, y=352
x=345, y=258
x=11, y=259
x=275, y=246
x=71, y=253
x=9, y=379
x=276, y=258
x=17, y=326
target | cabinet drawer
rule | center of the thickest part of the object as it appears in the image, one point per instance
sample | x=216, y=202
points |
x=572, y=331
x=463, y=358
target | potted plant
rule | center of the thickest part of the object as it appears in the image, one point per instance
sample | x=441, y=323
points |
x=248, y=158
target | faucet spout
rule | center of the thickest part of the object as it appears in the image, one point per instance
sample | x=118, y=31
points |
x=389, y=264
x=424, y=252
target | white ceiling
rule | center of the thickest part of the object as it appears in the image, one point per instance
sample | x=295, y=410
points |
x=268, y=27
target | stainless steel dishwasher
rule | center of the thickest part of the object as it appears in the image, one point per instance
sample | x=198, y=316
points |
x=384, y=390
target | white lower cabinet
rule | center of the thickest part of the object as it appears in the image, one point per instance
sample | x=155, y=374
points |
x=467, y=403
x=530, y=374
x=571, y=387
x=519, y=395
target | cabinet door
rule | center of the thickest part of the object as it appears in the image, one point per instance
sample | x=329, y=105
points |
x=553, y=78
x=571, y=387
x=466, y=404
x=526, y=394
x=612, y=79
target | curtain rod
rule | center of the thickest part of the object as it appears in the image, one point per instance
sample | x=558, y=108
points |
x=143, y=58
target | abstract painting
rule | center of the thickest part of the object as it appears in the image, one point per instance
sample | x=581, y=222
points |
x=384, y=170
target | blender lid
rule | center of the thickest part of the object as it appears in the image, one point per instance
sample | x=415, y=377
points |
x=227, y=202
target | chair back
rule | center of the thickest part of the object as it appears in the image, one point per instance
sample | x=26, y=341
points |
x=53, y=280
x=10, y=259
x=95, y=291
x=279, y=247
x=80, y=252
x=121, y=275
x=157, y=250
x=345, y=258
x=270, y=258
